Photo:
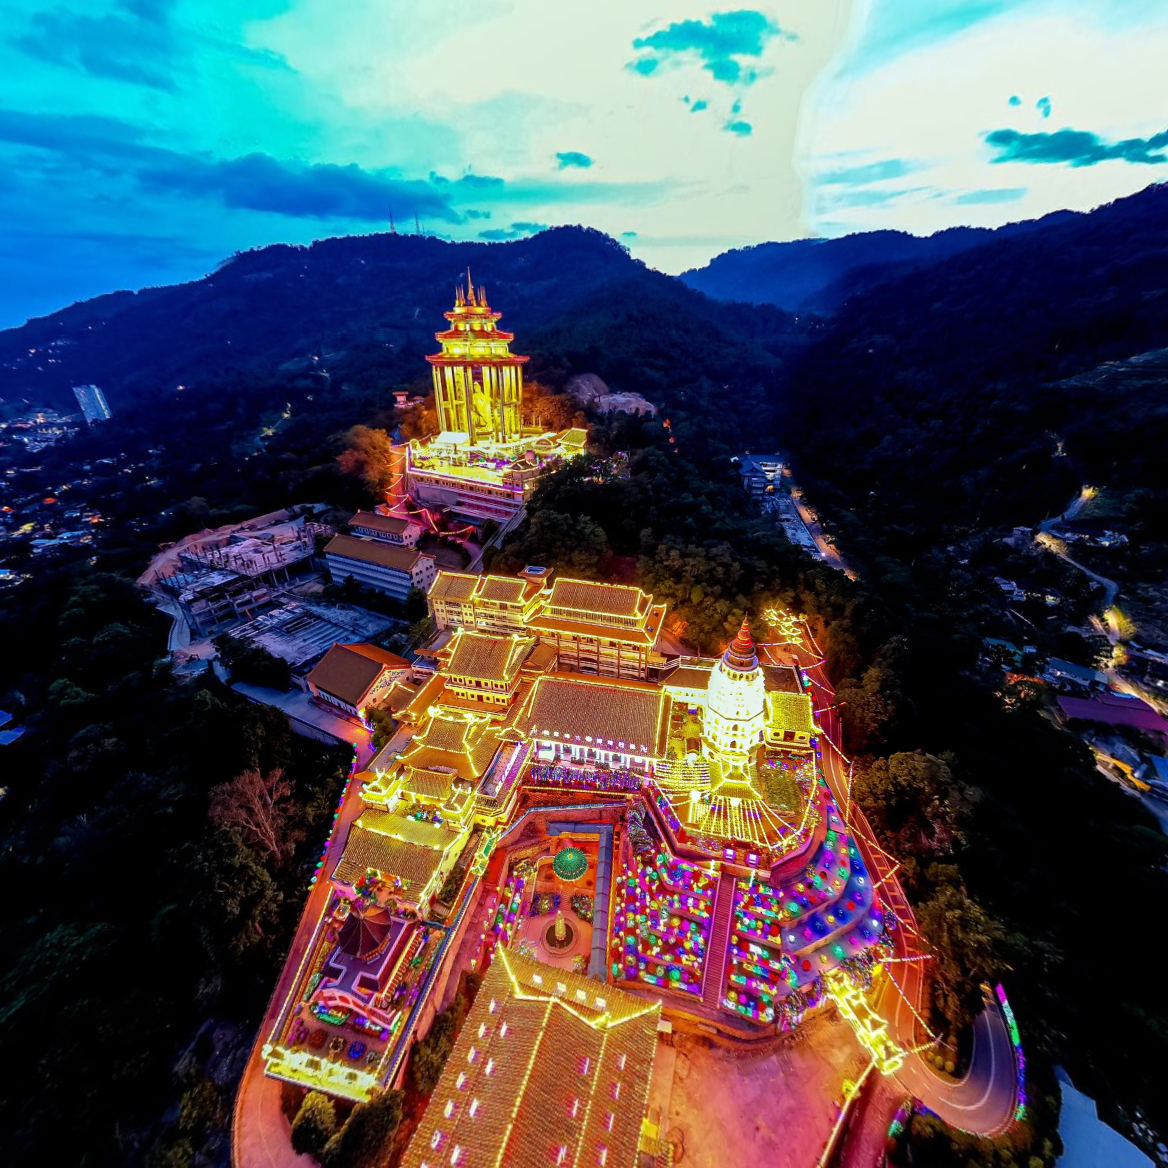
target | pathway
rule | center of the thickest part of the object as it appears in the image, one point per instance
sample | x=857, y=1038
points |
x=719, y=942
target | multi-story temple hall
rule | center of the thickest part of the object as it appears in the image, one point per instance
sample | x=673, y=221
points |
x=484, y=462
x=612, y=832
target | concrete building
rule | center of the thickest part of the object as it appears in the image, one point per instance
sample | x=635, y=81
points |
x=389, y=569
x=92, y=402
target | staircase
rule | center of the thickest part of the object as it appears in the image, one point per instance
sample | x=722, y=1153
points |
x=719, y=942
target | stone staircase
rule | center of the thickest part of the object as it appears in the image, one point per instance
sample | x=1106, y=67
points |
x=719, y=942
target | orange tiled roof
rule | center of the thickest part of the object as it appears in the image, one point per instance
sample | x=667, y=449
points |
x=506, y=589
x=582, y=628
x=546, y=1059
x=455, y=586
x=413, y=864
x=486, y=657
x=348, y=672
x=448, y=740
x=388, y=524
x=574, y=708
x=598, y=599
x=373, y=551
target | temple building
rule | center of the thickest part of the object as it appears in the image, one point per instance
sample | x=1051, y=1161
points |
x=549, y=1068
x=485, y=462
x=612, y=630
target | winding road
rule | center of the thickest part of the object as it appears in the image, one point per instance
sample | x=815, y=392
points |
x=984, y=1100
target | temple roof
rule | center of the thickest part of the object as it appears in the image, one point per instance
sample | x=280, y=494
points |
x=413, y=864
x=604, y=712
x=388, y=524
x=598, y=600
x=546, y=1060
x=406, y=828
x=455, y=586
x=487, y=657
x=459, y=743
x=790, y=711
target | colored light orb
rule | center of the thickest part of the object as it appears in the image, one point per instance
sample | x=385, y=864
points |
x=570, y=864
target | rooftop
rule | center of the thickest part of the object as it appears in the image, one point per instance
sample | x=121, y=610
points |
x=349, y=671
x=548, y=1067
x=372, y=551
x=413, y=864
x=483, y=657
x=602, y=710
x=598, y=600
x=389, y=524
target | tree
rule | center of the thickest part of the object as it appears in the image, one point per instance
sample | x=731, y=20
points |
x=363, y=1140
x=915, y=802
x=368, y=456
x=261, y=808
x=430, y=1054
x=967, y=943
x=314, y=1124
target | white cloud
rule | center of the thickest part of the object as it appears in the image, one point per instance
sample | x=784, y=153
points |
x=932, y=107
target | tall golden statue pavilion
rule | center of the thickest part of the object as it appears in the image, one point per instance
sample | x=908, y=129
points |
x=478, y=381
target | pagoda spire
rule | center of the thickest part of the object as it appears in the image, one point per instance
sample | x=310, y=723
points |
x=741, y=655
x=470, y=291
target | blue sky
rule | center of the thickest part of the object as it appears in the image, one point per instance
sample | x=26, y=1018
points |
x=141, y=141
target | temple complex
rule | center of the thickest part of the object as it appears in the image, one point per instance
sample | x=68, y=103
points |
x=609, y=826
x=485, y=461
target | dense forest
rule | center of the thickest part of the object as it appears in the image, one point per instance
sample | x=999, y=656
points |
x=943, y=406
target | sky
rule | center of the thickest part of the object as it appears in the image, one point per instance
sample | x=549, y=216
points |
x=143, y=141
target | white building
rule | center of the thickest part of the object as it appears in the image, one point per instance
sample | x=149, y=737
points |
x=92, y=402
x=389, y=569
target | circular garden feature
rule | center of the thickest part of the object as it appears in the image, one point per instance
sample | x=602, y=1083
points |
x=570, y=864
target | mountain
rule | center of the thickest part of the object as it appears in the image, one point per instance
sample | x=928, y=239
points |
x=953, y=393
x=264, y=308
x=817, y=275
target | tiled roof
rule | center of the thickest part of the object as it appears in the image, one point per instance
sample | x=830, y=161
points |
x=572, y=707
x=508, y=589
x=582, y=628
x=540, y=659
x=597, y=599
x=791, y=711
x=485, y=657
x=349, y=671
x=410, y=703
x=450, y=741
x=389, y=524
x=403, y=827
x=456, y=586
x=429, y=784
x=546, y=1059
x=373, y=551
x=574, y=437
x=412, y=863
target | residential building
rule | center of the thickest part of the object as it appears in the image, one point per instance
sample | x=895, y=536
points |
x=389, y=569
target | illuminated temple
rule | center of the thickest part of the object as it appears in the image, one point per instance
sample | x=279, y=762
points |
x=610, y=828
x=485, y=461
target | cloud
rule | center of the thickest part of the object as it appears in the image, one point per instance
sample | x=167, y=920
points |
x=567, y=158
x=515, y=231
x=134, y=45
x=1015, y=100
x=739, y=128
x=1075, y=147
x=870, y=172
x=1043, y=106
x=255, y=182
x=699, y=105
x=719, y=44
x=990, y=195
